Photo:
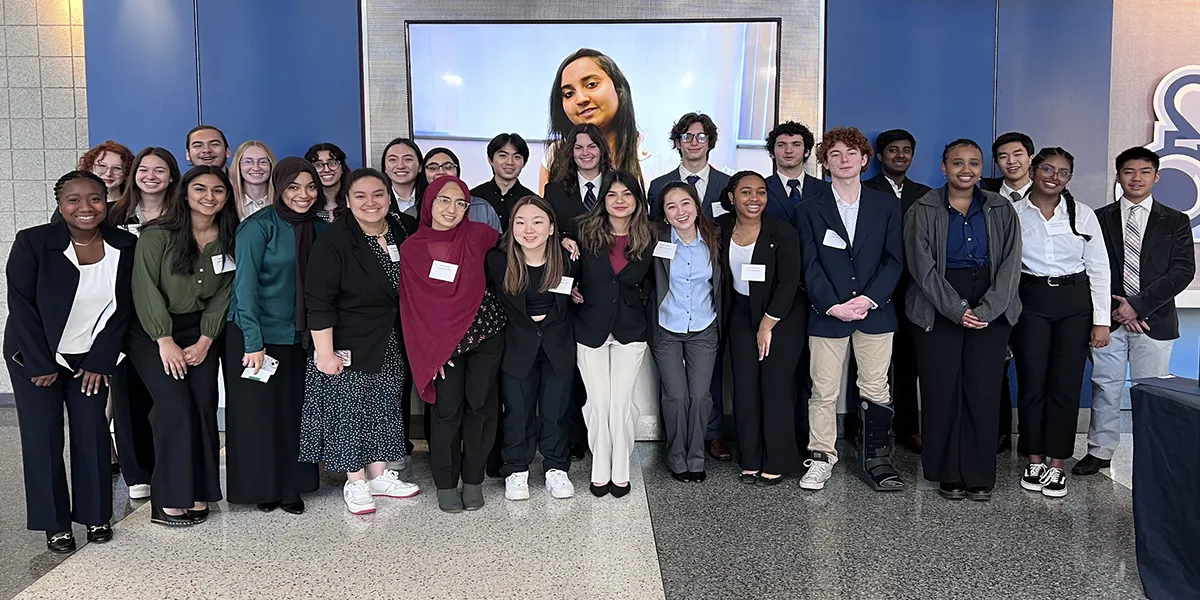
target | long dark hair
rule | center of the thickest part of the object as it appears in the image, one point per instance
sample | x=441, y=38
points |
x=340, y=156
x=177, y=220
x=516, y=275
x=124, y=211
x=1040, y=158
x=595, y=230
x=706, y=228
x=564, y=172
x=624, y=123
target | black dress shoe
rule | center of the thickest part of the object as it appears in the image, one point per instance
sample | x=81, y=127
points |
x=60, y=543
x=199, y=516
x=578, y=452
x=952, y=491
x=268, y=506
x=979, y=494
x=98, y=534
x=768, y=481
x=293, y=508
x=619, y=491
x=684, y=476
x=1090, y=465
x=600, y=491
x=698, y=476
x=719, y=450
x=158, y=516
x=914, y=442
x=748, y=478
x=1004, y=444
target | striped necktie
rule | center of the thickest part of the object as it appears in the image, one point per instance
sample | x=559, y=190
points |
x=1133, y=253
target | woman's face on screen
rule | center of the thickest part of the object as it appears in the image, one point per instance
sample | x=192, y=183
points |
x=588, y=94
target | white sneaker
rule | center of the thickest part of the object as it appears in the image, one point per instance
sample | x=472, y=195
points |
x=390, y=485
x=358, y=498
x=139, y=491
x=818, y=473
x=516, y=486
x=559, y=484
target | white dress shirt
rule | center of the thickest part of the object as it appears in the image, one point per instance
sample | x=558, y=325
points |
x=1141, y=215
x=788, y=190
x=848, y=213
x=252, y=206
x=583, y=186
x=1007, y=192
x=702, y=184
x=95, y=301
x=1050, y=249
x=896, y=189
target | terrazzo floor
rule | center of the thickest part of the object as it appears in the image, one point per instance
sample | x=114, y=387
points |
x=671, y=540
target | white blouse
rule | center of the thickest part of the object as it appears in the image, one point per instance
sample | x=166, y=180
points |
x=95, y=301
x=1050, y=249
x=738, y=256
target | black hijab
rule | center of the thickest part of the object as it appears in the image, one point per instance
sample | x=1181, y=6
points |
x=304, y=224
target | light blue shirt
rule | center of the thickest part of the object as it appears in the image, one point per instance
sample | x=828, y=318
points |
x=482, y=212
x=689, y=304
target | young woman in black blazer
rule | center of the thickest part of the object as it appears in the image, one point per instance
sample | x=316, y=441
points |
x=532, y=276
x=69, y=304
x=760, y=259
x=582, y=158
x=615, y=244
x=352, y=419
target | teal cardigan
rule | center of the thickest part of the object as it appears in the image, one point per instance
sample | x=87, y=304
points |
x=264, y=286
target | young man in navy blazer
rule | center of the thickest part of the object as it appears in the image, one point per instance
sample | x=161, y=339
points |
x=694, y=136
x=853, y=257
x=790, y=145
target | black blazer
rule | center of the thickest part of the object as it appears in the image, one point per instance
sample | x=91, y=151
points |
x=523, y=336
x=612, y=303
x=347, y=289
x=41, y=288
x=778, y=248
x=567, y=208
x=780, y=206
x=1167, y=264
x=662, y=282
x=717, y=182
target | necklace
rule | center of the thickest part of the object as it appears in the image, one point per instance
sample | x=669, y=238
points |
x=377, y=235
x=87, y=243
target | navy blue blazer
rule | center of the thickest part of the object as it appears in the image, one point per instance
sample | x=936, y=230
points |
x=717, y=182
x=781, y=207
x=870, y=267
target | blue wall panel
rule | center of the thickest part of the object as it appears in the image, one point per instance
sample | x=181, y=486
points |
x=286, y=73
x=928, y=67
x=141, y=72
x=1053, y=82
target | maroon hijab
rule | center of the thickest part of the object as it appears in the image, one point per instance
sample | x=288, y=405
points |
x=436, y=314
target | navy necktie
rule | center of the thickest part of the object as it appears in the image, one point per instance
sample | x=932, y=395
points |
x=589, y=199
x=692, y=179
x=795, y=195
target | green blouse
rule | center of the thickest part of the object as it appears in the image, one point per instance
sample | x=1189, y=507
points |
x=158, y=293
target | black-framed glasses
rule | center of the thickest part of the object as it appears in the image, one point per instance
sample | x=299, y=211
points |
x=446, y=167
x=699, y=137
x=331, y=164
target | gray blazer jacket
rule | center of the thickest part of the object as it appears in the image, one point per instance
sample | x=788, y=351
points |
x=662, y=282
x=925, y=230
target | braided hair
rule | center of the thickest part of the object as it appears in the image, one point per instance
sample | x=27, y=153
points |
x=1040, y=158
x=76, y=175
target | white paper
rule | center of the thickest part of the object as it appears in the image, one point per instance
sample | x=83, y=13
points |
x=269, y=366
x=665, y=250
x=833, y=240
x=223, y=263
x=443, y=271
x=718, y=210
x=393, y=252
x=754, y=272
x=1058, y=228
x=564, y=286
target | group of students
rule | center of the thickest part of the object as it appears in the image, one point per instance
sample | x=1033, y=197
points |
x=326, y=295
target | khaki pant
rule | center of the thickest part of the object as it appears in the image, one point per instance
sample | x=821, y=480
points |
x=873, y=353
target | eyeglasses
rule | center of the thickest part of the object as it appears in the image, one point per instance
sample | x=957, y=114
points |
x=250, y=162
x=446, y=167
x=444, y=201
x=115, y=170
x=331, y=164
x=1050, y=171
x=699, y=137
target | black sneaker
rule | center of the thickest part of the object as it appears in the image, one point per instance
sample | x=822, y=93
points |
x=1032, y=479
x=1054, y=483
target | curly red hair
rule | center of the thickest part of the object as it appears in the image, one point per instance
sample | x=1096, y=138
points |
x=851, y=137
x=90, y=157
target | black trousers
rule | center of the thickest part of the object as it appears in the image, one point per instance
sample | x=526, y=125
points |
x=262, y=426
x=907, y=420
x=463, y=424
x=535, y=415
x=1050, y=345
x=763, y=402
x=959, y=372
x=184, y=419
x=131, y=424
x=577, y=429
x=49, y=506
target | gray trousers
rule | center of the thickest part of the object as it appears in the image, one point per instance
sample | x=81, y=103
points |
x=685, y=367
x=1138, y=354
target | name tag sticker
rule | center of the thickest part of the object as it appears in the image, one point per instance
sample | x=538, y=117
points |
x=564, y=286
x=394, y=252
x=223, y=263
x=833, y=240
x=1058, y=228
x=754, y=272
x=718, y=210
x=443, y=271
x=665, y=250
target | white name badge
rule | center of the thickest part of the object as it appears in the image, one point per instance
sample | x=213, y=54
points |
x=718, y=210
x=443, y=271
x=1058, y=228
x=833, y=240
x=223, y=263
x=665, y=250
x=133, y=228
x=269, y=366
x=394, y=252
x=754, y=272
x=564, y=286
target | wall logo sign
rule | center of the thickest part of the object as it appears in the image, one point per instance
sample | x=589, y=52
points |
x=1177, y=142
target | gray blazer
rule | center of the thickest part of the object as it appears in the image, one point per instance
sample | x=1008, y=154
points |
x=925, y=230
x=662, y=281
